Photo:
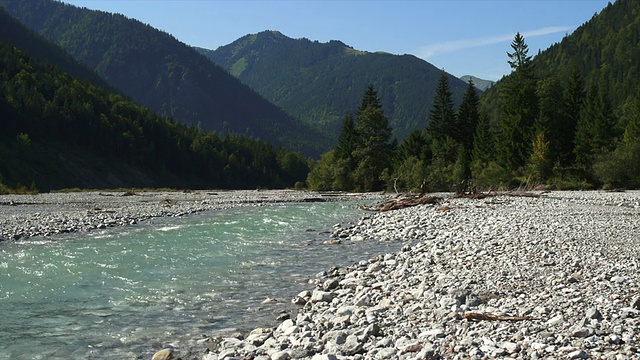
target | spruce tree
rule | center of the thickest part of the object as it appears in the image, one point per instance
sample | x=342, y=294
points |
x=415, y=145
x=573, y=102
x=374, y=149
x=519, y=106
x=468, y=116
x=442, y=117
x=348, y=138
x=595, y=130
x=550, y=120
x=483, y=142
x=345, y=163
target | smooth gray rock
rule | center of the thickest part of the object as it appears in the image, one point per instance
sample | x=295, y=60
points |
x=322, y=296
x=281, y=355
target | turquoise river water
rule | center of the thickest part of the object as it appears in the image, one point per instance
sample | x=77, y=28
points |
x=124, y=293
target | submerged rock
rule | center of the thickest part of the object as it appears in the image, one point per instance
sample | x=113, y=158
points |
x=164, y=354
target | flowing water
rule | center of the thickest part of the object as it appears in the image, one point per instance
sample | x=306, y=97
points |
x=124, y=293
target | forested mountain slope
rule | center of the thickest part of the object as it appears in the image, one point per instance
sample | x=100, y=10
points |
x=605, y=51
x=573, y=111
x=321, y=82
x=59, y=131
x=162, y=73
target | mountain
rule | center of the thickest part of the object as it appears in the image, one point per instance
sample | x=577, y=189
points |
x=576, y=103
x=162, y=73
x=13, y=32
x=322, y=82
x=604, y=50
x=480, y=84
x=60, y=130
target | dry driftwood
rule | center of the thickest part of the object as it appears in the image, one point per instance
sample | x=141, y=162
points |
x=491, y=193
x=401, y=203
x=491, y=317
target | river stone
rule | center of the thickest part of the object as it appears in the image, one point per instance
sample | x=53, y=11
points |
x=578, y=354
x=285, y=325
x=322, y=296
x=351, y=346
x=324, y=357
x=556, y=320
x=386, y=353
x=330, y=284
x=510, y=347
x=281, y=355
x=404, y=342
x=336, y=336
x=593, y=313
x=164, y=354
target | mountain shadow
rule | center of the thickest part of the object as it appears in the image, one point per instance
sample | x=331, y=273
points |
x=164, y=74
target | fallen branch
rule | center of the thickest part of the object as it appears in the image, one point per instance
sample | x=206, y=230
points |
x=491, y=317
x=481, y=195
x=401, y=203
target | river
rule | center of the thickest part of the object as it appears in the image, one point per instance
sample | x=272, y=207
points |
x=124, y=293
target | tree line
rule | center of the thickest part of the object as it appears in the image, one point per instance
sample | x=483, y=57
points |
x=560, y=133
x=46, y=110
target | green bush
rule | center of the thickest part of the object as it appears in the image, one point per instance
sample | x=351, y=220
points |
x=489, y=175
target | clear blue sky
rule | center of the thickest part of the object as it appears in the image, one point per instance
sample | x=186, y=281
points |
x=463, y=37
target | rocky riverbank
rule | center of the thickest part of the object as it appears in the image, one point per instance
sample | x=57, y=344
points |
x=24, y=216
x=555, y=277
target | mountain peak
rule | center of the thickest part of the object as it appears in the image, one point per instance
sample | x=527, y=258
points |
x=480, y=84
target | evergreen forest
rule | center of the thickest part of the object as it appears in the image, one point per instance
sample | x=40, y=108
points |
x=567, y=119
x=62, y=131
x=158, y=71
x=111, y=102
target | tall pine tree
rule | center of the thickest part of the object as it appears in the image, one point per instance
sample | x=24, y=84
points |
x=442, y=117
x=573, y=101
x=374, y=149
x=519, y=105
x=468, y=116
x=596, y=128
x=550, y=120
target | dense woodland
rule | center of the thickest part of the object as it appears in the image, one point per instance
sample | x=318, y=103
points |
x=161, y=73
x=567, y=118
x=59, y=131
x=321, y=82
x=573, y=124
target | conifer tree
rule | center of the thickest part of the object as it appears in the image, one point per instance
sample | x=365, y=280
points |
x=573, y=102
x=467, y=118
x=520, y=107
x=348, y=138
x=442, y=117
x=345, y=163
x=374, y=150
x=483, y=142
x=595, y=130
x=415, y=145
x=549, y=120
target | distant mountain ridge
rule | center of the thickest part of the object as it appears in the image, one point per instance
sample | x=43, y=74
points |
x=480, y=84
x=162, y=73
x=321, y=82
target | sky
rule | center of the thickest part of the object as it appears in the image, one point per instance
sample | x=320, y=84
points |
x=463, y=37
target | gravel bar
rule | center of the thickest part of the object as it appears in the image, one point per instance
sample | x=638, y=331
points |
x=25, y=216
x=554, y=277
